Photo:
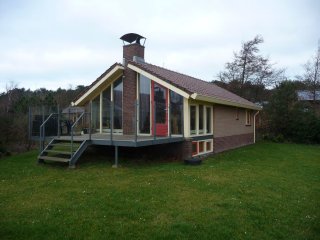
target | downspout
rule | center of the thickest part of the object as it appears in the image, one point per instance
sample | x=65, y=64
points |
x=254, y=126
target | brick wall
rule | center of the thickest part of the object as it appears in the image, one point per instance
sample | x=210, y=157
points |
x=130, y=87
x=221, y=144
x=133, y=50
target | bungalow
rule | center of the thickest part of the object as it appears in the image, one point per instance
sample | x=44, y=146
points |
x=136, y=103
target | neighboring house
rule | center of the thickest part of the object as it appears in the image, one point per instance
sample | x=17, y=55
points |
x=313, y=98
x=138, y=98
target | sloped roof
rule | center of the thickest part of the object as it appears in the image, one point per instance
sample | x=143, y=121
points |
x=193, y=85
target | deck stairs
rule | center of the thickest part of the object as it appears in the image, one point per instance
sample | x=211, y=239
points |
x=59, y=150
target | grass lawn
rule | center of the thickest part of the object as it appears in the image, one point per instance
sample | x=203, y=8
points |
x=263, y=191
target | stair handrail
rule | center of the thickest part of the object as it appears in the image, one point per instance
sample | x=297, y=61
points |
x=43, y=130
x=72, y=129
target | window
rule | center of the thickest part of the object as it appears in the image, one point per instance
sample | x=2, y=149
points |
x=96, y=113
x=193, y=120
x=144, y=104
x=194, y=148
x=117, y=99
x=106, y=106
x=176, y=105
x=209, y=146
x=208, y=120
x=248, y=117
x=201, y=147
x=201, y=118
x=160, y=103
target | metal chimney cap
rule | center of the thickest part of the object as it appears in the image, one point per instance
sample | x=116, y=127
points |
x=133, y=37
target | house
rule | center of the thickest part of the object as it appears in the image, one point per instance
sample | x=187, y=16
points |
x=312, y=98
x=135, y=103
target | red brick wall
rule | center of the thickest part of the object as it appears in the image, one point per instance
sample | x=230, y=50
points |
x=221, y=144
x=130, y=87
x=133, y=50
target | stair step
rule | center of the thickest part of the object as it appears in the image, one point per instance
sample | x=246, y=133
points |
x=59, y=152
x=64, y=144
x=55, y=159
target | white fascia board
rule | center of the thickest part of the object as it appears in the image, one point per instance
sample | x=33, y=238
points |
x=94, y=87
x=223, y=102
x=159, y=81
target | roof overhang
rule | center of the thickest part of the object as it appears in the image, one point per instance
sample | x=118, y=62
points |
x=159, y=81
x=196, y=96
x=111, y=76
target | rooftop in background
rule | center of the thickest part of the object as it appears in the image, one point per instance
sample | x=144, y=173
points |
x=305, y=95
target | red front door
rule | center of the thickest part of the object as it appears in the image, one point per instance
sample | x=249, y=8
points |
x=159, y=109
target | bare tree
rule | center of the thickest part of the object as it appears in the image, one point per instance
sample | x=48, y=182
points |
x=311, y=75
x=249, y=66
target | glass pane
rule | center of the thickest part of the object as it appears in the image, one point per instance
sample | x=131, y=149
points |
x=201, y=147
x=193, y=119
x=160, y=103
x=117, y=99
x=208, y=146
x=96, y=114
x=194, y=148
x=200, y=118
x=106, y=105
x=176, y=104
x=208, y=120
x=144, y=104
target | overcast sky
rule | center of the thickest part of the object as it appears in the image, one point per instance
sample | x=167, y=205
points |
x=62, y=43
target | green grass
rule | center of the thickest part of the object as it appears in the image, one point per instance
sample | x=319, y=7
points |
x=265, y=191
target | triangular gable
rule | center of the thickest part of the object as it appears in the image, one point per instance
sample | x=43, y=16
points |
x=112, y=74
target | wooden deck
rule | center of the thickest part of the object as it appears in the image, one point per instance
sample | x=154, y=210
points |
x=122, y=140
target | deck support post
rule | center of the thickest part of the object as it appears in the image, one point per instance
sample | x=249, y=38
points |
x=136, y=121
x=154, y=121
x=59, y=130
x=30, y=124
x=111, y=122
x=90, y=120
x=116, y=155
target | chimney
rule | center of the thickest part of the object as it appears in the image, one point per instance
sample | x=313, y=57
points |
x=133, y=50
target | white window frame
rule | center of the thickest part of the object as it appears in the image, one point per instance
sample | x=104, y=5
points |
x=203, y=131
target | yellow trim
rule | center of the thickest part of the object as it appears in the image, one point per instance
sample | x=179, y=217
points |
x=223, y=102
x=159, y=81
x=92, y=92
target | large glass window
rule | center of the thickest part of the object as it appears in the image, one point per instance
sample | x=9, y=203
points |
x=176, y=105
x=144, y=104
x=193, y=119
x=96, y=114
x=117, y=99
x=201, y=119
x=160, y=103
x=208, y=122
x=106, y=106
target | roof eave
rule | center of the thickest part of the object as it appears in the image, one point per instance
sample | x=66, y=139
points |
x=224, y=102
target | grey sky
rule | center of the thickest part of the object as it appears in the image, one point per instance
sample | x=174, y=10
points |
x=61, y=43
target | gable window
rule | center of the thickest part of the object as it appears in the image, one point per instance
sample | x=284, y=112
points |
x=96, y=114
x=117, y=99
x=176, y=105
x=248, y=117
x=106, y=106
x=144, y=104
x=193, y=113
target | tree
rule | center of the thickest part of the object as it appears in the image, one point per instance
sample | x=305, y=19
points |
x=250, y=67
x=311, y=75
